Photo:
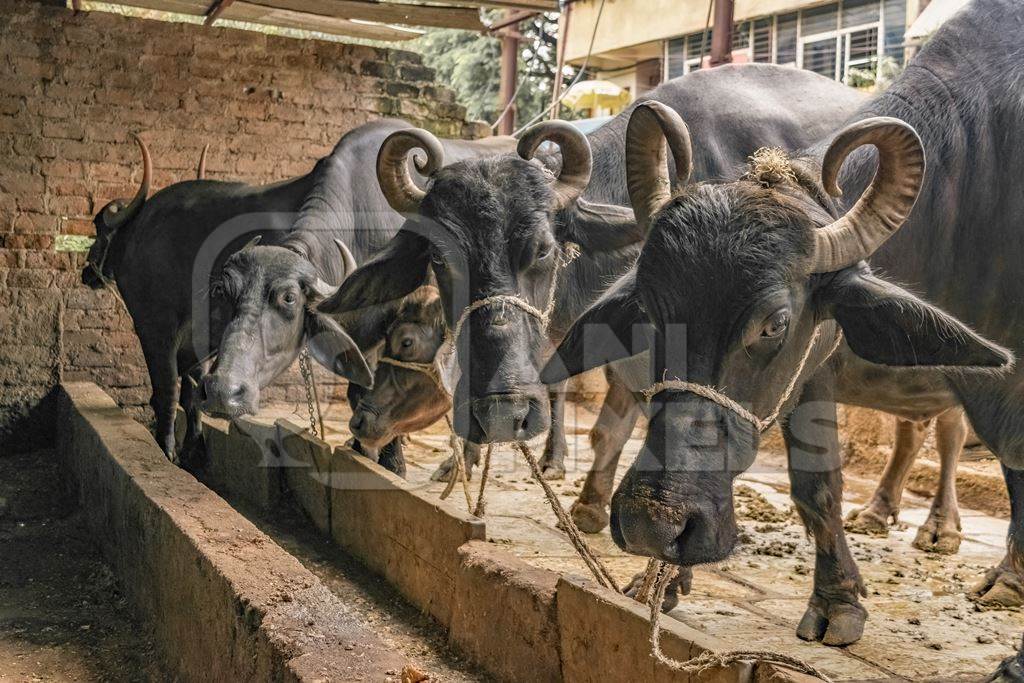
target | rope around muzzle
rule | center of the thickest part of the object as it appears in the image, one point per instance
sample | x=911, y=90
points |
x=659, y=574
x=712, y=394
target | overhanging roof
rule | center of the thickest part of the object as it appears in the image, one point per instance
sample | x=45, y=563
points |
x=386, y=20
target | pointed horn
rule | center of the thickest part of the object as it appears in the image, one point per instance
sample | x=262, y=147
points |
x=118, y=216
x=577, y=160
x=201, y=171
x=885, y=204
x=346, y=258
x=393, y=167
x=252, y=243
x=650, y=125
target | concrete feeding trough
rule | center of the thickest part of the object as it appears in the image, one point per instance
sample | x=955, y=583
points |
x=228, y=603
x=188, y=558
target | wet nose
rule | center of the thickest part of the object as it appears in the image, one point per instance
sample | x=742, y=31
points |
x=361, y=423
x=503, y=417
x=645, y=527
x=228, y=396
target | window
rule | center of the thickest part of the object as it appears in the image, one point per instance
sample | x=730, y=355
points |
x=854, y=41
x=786, y=38
x=675, y=57
x=837, y=38
x=763, y=40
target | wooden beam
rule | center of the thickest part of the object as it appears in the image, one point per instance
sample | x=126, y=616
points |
x=507, y=85
x=537, y=5
x=259, y=14
x=512, y=20
x=215, y=11
x=440, y=16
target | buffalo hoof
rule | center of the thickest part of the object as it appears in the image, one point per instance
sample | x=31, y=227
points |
x=552, y=467
x=1001, y=588
x=680, y=584
x=872, y=520
x=446, y=470
x=939, y=535
x=1010, y=671
x=833, y=623
x=591, y=518
x=193, y=455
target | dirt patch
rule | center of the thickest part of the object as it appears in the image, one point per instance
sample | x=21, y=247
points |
x=62, y=613
x=754, y=506
x=979, y=482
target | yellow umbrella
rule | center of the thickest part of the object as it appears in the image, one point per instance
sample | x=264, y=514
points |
x=596, y=94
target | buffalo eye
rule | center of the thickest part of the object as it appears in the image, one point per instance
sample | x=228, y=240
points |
x=288, y=298
x=406, y=343
x=776, y=325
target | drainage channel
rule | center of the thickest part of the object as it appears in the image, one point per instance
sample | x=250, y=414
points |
x=413, y=634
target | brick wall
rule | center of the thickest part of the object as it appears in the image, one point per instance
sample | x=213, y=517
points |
x=73, y=87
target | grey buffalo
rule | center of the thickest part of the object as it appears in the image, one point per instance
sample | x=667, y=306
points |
x=743, y=289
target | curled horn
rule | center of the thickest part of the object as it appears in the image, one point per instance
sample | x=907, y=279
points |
x=201, y=171
x=650, y=125
x=347, y=259
x=576, y=157
x=885, y=204
x=393, y=168
x=118, y=216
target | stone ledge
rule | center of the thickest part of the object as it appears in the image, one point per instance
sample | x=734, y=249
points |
x=225, y=602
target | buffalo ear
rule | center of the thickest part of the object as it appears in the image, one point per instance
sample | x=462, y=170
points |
x=888, y=325
x=331, y=346
x=393, y=272
x=368, y=326
x=599, y=227
x=614, y=327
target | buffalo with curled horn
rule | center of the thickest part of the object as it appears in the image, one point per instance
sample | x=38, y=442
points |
x=761, y=308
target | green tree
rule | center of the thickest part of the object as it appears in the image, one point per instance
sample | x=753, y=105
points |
x=470, y=63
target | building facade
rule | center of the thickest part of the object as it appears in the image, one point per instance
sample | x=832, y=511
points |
x=640, y=43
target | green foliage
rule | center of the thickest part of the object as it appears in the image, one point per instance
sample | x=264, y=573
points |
x=470, y=63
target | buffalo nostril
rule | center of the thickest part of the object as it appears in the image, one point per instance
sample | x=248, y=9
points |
x=238, y=394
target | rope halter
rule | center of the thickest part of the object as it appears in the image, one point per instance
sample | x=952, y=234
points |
x=728, y=403
x=569, y=253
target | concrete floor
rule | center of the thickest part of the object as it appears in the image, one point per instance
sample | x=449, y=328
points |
x=920, y=626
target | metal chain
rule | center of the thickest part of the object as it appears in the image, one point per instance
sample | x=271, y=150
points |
x=312, y=400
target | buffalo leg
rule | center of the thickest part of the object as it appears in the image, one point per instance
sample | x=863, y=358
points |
x=192, y=450
x=163, y=377
x=391, y=457
x=1003, y=586
x=884, y=507
x=552, y=463
x=1012, y=668
x=471, y=456
x=940, y=533
x=619, y=414
x=834, y=614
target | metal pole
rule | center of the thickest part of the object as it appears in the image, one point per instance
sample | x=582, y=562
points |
x=507, y=89
x=721, y=35
x=563, y=40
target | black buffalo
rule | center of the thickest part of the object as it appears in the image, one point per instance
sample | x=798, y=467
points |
x=736, y=277
x=499, y=226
